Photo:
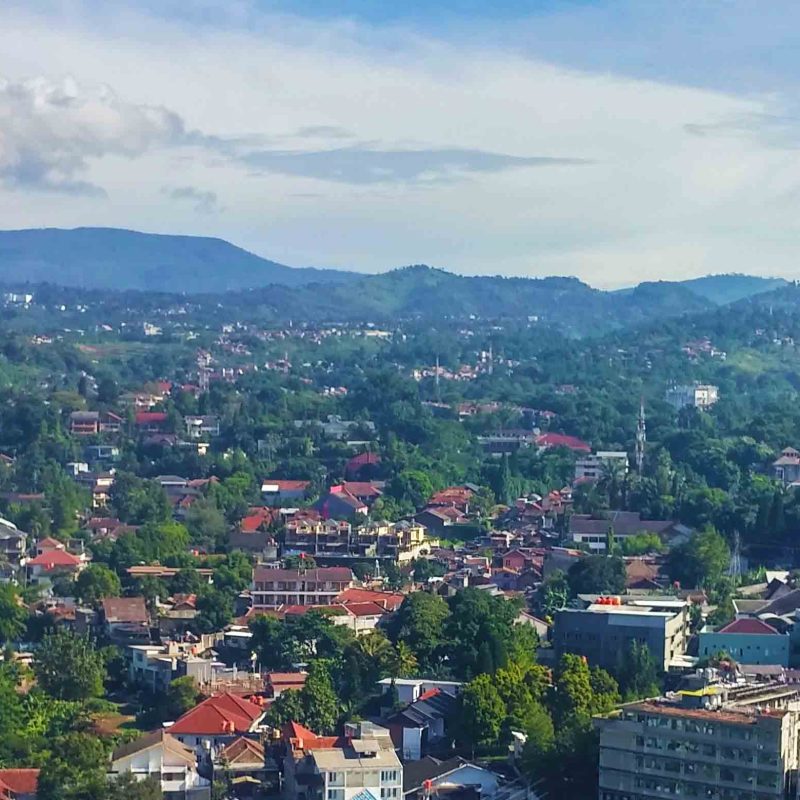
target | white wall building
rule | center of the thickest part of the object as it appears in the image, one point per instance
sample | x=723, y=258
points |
x=696, y=395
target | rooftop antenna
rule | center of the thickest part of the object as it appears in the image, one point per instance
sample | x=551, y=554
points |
x=641, y=437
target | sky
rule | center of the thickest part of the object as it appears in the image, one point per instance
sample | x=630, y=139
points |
x=614, y=141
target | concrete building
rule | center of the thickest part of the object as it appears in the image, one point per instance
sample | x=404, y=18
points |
x=786, y=468
x=711, y=742
x=747, y=640
x=606, y=627
x=696, y=395
x=273, y=588
x=362, y=764
x=590, y=467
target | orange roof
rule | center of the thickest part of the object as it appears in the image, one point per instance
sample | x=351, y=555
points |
x=364, y=609
x=19, y=781
x=221, y=714
x=388, y=600
x=55, y=558
x=302, y=738
x=50, y=544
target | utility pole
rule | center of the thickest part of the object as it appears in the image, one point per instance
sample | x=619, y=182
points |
x=641, y=438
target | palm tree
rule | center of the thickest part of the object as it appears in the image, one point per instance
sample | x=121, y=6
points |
x=612, y=475
x=404, y=662
x=376, y=646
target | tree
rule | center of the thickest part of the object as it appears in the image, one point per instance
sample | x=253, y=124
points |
x=75, y=769
x=215, y=610
x=482, y=712
x=701, y=561
x=207, y=526
x=637, y=672
x=68, y=667
x=187, y=581
x=554, y=593
x=597, y=575
x=419, y=623
x=182, y=696
x=411, y=486
x=287, y=707
x=320, y=704
x=641, y=544
x=13, y=615
x=300, y=561
x=402, y=662
x=96, y=582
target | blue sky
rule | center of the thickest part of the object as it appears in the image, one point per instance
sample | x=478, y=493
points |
x=615, y=141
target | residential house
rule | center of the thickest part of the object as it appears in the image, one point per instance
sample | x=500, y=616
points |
x=101, y=453
x=409, y=690
x=547, y=441
x=125, y=620
x=363, y=467
x=161, y=756
x=421, y=724
x=338, y=503
x=151, y=422
x=361, y=765
x=253, y=535
x=277, y=682
x=282, y=492
x=18, y=784
x=607, y=625
x=84, y=423
x=13, y=542
x=201, y=426
x=244, y=763
x=747, y=640
x=273, y=588
x=364, y=491
x=218, y=721
x=593, y=531
x=455, y=776
x=54, y=563
x=786, y=468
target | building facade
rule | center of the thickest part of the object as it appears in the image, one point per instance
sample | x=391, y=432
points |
x=273, y=588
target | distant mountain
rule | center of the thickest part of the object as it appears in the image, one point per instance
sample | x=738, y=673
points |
x=724, y=289
x=428, y=293
x=112, y=258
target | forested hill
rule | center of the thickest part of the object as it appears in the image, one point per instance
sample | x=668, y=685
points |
x=116, y=259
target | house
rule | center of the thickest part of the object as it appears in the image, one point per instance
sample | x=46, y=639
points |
x=546, y=441
x=54, y=563
x=151, y=422
x=338, y=503
x=786, y=468
x=243, y=762
x=13, y=542
x=100, y=453
x=201, y=426
x=431, y=776
x=505, y=442
x=273, y=588
x=458, y=497
x=18, y=784
x=125, y=619
x=593, y=531
x=280, y=492
x=409, y=690
x=317, y=537
x=84, y=423
x=161, y=756
x=218, y=721
x=389, y=601
x=359, y=766
x=748, y=640
x=363, y=467
x=364, y=491
x=277, y=682
x=422, y=723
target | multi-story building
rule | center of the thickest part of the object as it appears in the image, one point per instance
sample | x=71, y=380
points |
x=362, y=764
x=708, y=743
x=273, y=588
x=201, y=427
x=591, y=466
x=318, y=536
x=696, y=395
x=607, y=626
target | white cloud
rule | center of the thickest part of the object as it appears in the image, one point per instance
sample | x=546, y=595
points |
x=330, y=145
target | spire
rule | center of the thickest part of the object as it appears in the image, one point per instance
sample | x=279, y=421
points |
x=641, y=437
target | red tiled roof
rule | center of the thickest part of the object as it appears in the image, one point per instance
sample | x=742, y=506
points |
x=364, y=609
x=286, y=486
x=362, y=489
x=304, y=739
x=124, y=609
x=50, y=544
x=388, y=600
x=561, y=440
x=286, y=678
x=252, y=523
x=55, y=558
x=147, y=417
x=748, y=625
x=19, y=781
x=363, y=460
x=221, y=714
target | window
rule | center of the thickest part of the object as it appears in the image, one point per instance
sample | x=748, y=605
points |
x=389, y=793
x=389, y=776
x=335, y=794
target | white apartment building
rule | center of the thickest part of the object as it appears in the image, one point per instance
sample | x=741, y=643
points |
x=591, y=466
x=696, y=395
